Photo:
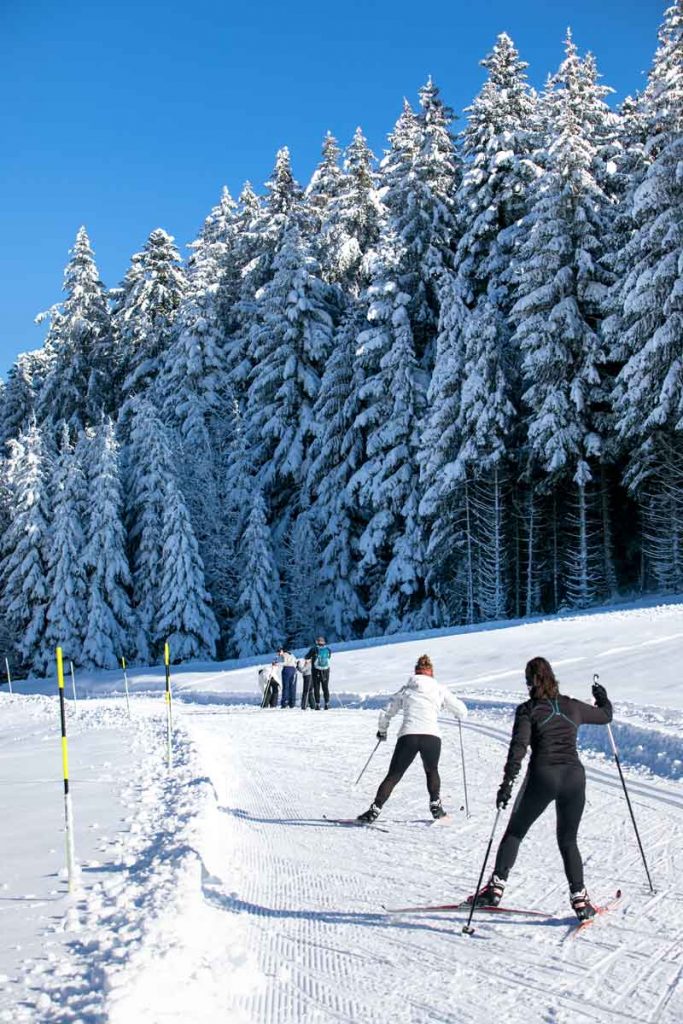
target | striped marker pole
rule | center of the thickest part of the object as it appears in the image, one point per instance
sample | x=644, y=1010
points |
x=68, y=810
x=9, y=677
x=169, y=716
x=125, y=683
x=73, y=684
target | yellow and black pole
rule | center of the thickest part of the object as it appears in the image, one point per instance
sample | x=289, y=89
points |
x=68, y=810
x=125, y=683
x=169, y=715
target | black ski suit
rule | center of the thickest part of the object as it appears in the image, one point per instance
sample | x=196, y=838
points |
x=554, y=773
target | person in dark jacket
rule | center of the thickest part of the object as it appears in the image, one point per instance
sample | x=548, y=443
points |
x=319, y=655
x=548, y=722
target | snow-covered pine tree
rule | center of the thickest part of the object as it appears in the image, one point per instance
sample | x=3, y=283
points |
x=471, y=416
x=561, y=286
x=184, y=616
x=353, y=217
x=147, y=309
x=110, y=619
x=25, y=545
x=260, y=238
x=194, y=386
x=445, y=516
x=193, y=380
x=418, y=178
x=235, y=494
x=259, y=623
x=67, y=587
x=78, y=385
x=19, y=398
x=648, y=396
x=391, y=569
x=324, y=188
x=242, y=278
x=306, y=613
x=291, y=341
x=485, y=423
x=337, y=452
x=149, y=463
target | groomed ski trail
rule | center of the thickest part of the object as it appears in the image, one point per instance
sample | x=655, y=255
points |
x=308, y=897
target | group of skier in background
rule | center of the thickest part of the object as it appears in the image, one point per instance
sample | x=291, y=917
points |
x=547, y=722
x=279, y=679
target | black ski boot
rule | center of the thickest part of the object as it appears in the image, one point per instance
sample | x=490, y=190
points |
x=581, y=905
x=437, y=810
x=492, y=893
x=367, y=817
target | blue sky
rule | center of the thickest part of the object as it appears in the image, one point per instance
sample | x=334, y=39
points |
x=130, y=116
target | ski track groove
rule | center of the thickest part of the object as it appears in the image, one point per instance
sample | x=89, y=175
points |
x=316, y=955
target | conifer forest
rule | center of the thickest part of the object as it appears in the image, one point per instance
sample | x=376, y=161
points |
x=443, y=386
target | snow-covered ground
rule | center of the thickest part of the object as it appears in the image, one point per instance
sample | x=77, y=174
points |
x=217, y=891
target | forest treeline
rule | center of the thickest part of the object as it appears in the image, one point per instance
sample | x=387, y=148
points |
x=443, y=387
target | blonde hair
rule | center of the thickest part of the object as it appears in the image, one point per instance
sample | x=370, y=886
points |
x=424, y=663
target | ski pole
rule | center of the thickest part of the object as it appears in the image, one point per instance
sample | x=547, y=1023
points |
x=9, y=677
x=628, y=799
x=73, y=685
x=169, y=713
x=464, y=773
x=367, y=763
x=125, y=683
x=466, y=927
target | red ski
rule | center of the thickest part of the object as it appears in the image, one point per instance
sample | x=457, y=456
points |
x=610, y=905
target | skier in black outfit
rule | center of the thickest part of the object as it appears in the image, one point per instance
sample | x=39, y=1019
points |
x=548, y=722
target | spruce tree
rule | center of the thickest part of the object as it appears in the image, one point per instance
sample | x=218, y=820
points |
x=184, y=616
x=353, y=218
x=337, y=452
x=259, y=622
x=291, y=340
x=561, y=288
x=648, y=396
x=147, y=310
x=78, y=385
x=149, y=464
x=110, y=620
x=19, y=398
x=67, y=586
x=25, y=546
x=387, y=482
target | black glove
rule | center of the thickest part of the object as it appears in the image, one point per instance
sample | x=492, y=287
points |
x=381, y=734
x=504, y=794
x=599, y=694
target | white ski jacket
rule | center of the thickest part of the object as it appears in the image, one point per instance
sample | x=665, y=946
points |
x=421, y=700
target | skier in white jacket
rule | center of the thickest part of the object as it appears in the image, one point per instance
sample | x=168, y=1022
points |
x=421, y=700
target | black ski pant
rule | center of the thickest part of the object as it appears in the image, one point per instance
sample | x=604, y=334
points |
x=566, y=785
x=321, y=678
x=307, y=699
x=406, y=750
